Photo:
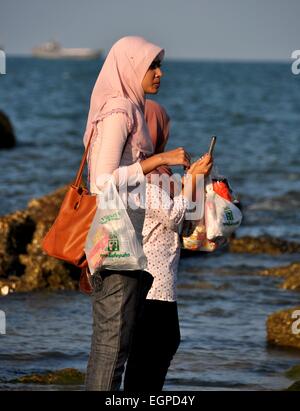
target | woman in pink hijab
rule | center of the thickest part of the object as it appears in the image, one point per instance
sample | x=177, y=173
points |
x=121, y=147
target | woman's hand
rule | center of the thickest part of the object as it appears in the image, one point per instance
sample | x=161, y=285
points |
x=177, y=157
x=201, y=166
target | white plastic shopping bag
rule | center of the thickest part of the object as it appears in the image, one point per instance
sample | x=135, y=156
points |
x=111, y=241
x=222, y=217
x=196, y=239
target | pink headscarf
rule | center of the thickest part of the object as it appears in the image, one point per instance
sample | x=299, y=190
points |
x=118, y=88
x=158, y=123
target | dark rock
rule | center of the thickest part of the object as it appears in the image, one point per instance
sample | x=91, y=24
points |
x=16, y=232
x=294, y=387
x=202, y=285
x=45, y=209
x=293, y=373
x=280, y=330
x=22, y=261
x=262, y=244
x=66, y=376
x=291, y=273
x=7, y=136
x=42, y=271
x=282, y=271
x=292, y=282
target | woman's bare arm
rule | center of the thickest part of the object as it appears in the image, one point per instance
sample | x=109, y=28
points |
x=177, y=157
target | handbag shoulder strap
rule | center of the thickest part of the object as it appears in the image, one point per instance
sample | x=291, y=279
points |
x=78, y=179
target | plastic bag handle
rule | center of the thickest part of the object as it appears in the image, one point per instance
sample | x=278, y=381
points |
x=209, y=184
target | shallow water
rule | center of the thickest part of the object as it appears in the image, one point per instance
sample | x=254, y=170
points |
x=223, y=305
x=253, y=108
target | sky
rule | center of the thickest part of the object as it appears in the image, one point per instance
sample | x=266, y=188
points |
x=187, y=29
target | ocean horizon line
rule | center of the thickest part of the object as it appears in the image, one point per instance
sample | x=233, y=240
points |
x=228, y=60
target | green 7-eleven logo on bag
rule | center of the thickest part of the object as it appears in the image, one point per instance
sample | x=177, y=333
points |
x=228, y=214
x=113, y=243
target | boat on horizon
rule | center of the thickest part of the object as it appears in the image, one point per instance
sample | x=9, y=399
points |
x=53, y=50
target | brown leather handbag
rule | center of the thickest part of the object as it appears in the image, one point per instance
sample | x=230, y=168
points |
x=66, y=238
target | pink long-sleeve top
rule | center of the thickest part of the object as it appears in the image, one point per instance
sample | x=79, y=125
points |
x=112, y=154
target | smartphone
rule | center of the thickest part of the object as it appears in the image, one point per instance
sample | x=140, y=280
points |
x=212, y=145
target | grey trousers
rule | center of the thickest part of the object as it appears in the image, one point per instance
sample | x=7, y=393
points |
x=118, y=299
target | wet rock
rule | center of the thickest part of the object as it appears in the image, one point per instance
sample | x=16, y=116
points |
x=4, y=289
x=7, y=135
x=41, y=270
x=282, y=329
x=294, y=387
x=292, y=282
x=22, y=261
x=282, y=271
x=202, y=285
x=45, y=209
x=291, y=273
x=16, y=232
x=66, y=376
x=263, y=244
x=9, y=285
x=294, y=373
